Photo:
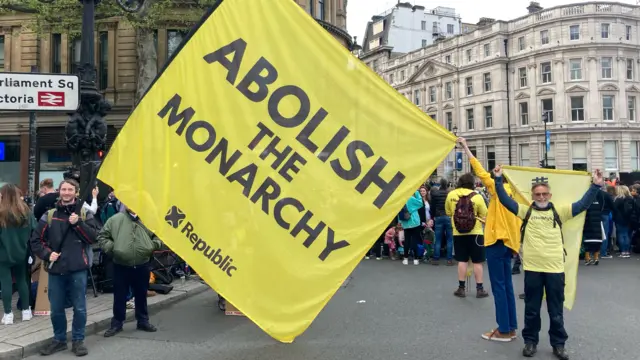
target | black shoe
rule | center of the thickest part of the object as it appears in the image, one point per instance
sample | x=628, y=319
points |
x=515, y=271
x=112, y=331
x=53, y=348
x=147, y=327
x=560, y=353
x=79, y=349
x=529, y=350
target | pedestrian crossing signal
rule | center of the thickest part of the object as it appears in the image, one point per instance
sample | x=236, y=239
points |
x=100, y=154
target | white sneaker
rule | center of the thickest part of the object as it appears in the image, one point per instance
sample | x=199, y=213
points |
x=27, y=315
x=416, y=262
x=7, y=319
x=378, y=258
x=366, y=257
x=405, y=262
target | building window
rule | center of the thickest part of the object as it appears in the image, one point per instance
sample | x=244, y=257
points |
x=434, y=117
x=523, y=76
x=575, y=67
x=487, y=50
x=449, y=117
x=56, y=53
x=629, y=69
x=321, y=9
x=631, y=105
x=605, y=64
x=487, y=82
x=488, y=117
x=447, y=59
x=450, y=29
x=524, y=113
x=103, y=60
x=579, y=155
x=1, y=52
x=521, y=43
x=607, y=107
x=402, y=75
x=610, y=155
x=546, y=72
x=574, y=32
x=468, y=55
x=469, y=83
x=547, y=108
x=312, y=10
x=525, y=157
x=10, y=171
x=491, y=157
x=416, y=96
x=448, y=90
x=74, y=55
x=604, y=31
x=423, y=25
x=628, y=32
x=544, y=37
x=432, y=94
x=635, y=155
x=424, y=42
x=577, y=108
x=174, y=39
x=415, y=69
x=470, y=120
x=390, y=78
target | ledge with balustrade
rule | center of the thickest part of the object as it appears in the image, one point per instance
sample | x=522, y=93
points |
x=546, y=15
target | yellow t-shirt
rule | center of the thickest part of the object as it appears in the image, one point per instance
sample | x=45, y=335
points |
x=479, y=207
x=542, y=248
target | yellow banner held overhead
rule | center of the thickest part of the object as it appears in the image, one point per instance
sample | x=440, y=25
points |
x=567, y=187
x=270, y=159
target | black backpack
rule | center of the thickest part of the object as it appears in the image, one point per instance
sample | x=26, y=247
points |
x=556, y=221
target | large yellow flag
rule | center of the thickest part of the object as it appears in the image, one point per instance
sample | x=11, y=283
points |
x=270, y=159
x=567, y=187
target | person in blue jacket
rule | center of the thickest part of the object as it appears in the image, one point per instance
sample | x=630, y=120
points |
x=409, y=217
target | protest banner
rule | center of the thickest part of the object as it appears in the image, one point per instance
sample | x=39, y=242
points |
x=270, y=159
x=567, y=187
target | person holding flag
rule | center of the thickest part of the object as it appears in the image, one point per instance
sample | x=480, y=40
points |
x=501, y=241
x=543, y=258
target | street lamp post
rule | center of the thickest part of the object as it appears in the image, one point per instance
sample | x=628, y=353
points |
x=455, y=157
x=545, y=119
x=86, y=130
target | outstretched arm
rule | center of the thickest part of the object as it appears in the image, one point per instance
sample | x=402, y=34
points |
x=587, y=199
x=480, y=172
x=504, y=198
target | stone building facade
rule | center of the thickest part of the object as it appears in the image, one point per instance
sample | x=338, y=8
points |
x=579, y=64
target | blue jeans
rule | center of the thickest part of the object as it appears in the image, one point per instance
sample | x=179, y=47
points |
x=71, y=286
x=623, y=237
x=443, y=229
x=499, y=264
x=604, y=249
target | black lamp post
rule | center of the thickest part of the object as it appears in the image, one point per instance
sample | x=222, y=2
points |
x=455, y=158
x=86, y=131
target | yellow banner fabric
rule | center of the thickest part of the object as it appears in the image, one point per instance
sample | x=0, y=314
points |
x=567, y=187
x=270, y=159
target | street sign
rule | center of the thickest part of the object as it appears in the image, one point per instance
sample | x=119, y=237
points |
x=548, y=140
x=458, y=161
x=39, y=92
x=1, y=151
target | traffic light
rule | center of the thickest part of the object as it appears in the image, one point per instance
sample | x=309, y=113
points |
x=101, y=154
x=542, y=164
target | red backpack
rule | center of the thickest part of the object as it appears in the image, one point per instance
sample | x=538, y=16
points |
x=464, y=217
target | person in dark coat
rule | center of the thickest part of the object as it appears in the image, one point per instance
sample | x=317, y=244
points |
x=593, y=231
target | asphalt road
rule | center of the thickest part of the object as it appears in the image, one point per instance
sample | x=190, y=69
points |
x=408, y=312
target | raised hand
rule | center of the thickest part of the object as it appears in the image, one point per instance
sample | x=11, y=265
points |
x=498, y=171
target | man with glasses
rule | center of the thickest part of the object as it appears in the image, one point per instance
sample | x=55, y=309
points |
x=543, y=258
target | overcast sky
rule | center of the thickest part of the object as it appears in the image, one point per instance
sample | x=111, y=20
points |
x=359, y=12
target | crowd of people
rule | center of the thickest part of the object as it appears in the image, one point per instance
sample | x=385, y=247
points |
x=59, y=236
x=485, y=225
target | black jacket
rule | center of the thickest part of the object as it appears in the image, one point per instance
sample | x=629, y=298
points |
x=608, y=204
x=44, y=204
x=623, y=208
x=46, y=239
x=592, y=229
x=438, y=199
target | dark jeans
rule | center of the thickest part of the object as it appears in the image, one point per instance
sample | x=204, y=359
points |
x=378, y=247
x=124, y=279
x=412, y=238
x=499, y=264
x=443, y=229
x=71, y=286
x=535, y=286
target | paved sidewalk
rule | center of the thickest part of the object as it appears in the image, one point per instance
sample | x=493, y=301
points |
x=23, y=339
